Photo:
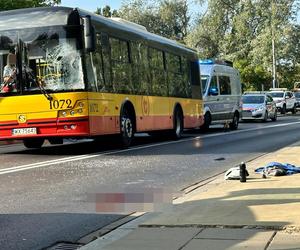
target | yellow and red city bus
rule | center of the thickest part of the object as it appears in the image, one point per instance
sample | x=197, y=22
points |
x=81, y=75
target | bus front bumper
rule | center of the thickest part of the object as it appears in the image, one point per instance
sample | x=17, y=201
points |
x=45, y=128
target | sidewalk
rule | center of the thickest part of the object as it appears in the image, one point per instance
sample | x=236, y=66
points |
x=258, y=214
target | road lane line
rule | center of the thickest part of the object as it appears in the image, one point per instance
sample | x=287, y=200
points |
x=89, y=156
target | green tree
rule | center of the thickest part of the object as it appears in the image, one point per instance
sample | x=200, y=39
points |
x=174, y=18
x=164, y=17
x=142, y=12
x=10, y=5
x=242, y=31
x=106, y=12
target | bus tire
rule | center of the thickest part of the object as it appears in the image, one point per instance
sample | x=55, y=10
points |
x=127, y=128
x=177, y=130
x=33, y=142
x=207, y=121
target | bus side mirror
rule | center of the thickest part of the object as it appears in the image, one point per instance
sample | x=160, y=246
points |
x=89, y=34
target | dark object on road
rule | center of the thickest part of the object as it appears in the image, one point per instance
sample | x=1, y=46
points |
x=278, y=169
x=243, y=172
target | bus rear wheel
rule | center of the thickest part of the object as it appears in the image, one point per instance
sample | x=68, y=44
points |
x=33, y=143
x=177, y=130
x=207, y=121
x=127, y=128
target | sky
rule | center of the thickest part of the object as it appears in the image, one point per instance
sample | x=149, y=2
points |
x=92, y=5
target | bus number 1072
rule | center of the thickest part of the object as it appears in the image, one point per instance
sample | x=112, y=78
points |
x=61, y=104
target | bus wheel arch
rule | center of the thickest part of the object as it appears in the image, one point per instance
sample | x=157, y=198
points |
x=178, y=121
x=127, y=123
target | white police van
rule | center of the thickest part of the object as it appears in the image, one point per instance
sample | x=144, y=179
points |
x=221, y=87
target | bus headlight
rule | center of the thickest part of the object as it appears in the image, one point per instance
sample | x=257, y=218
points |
x=72, y=112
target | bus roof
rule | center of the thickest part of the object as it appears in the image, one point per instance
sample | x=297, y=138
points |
x=55, y=16
x=34, y=17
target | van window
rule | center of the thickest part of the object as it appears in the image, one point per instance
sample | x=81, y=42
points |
x=235, y=85
x=224, y=83
x=204, y=79
x=214, y=83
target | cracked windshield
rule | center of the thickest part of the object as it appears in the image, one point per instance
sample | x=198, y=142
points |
x=33, y=58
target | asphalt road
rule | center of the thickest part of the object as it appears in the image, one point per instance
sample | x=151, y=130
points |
x=45, y=193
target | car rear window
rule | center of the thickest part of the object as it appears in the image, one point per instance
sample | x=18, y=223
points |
x=252, y=99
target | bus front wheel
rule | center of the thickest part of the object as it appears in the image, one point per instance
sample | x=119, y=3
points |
x=127, y=128
x=33, y=142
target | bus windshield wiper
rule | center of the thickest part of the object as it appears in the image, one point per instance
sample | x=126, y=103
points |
x=44, y=91
x=40, y=86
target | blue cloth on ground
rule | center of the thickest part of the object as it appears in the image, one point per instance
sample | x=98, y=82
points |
x=289, y=168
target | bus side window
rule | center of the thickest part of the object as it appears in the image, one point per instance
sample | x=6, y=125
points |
x=187, y=77
x=177, y=87
x=144, y=69
x=105, y=49
x=97, y=66
x=139, y=68
x=121, y=68
x=195, y=80
x=135, y=66
x=157, y=71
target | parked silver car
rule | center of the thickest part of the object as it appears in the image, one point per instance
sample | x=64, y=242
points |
x=258, y=106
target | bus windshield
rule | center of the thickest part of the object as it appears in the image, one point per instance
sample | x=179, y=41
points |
x=33, y=58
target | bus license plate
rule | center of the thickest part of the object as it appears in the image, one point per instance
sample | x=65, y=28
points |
x=24, y=131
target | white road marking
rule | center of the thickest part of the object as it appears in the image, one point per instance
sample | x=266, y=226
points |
x=89, y=156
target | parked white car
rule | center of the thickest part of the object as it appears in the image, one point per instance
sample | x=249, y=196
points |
x=221, y=87
x=284, y=99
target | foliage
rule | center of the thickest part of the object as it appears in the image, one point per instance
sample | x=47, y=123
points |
x=242, y=31
x=106, y=12
x=164, y=17
x=10, y=5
